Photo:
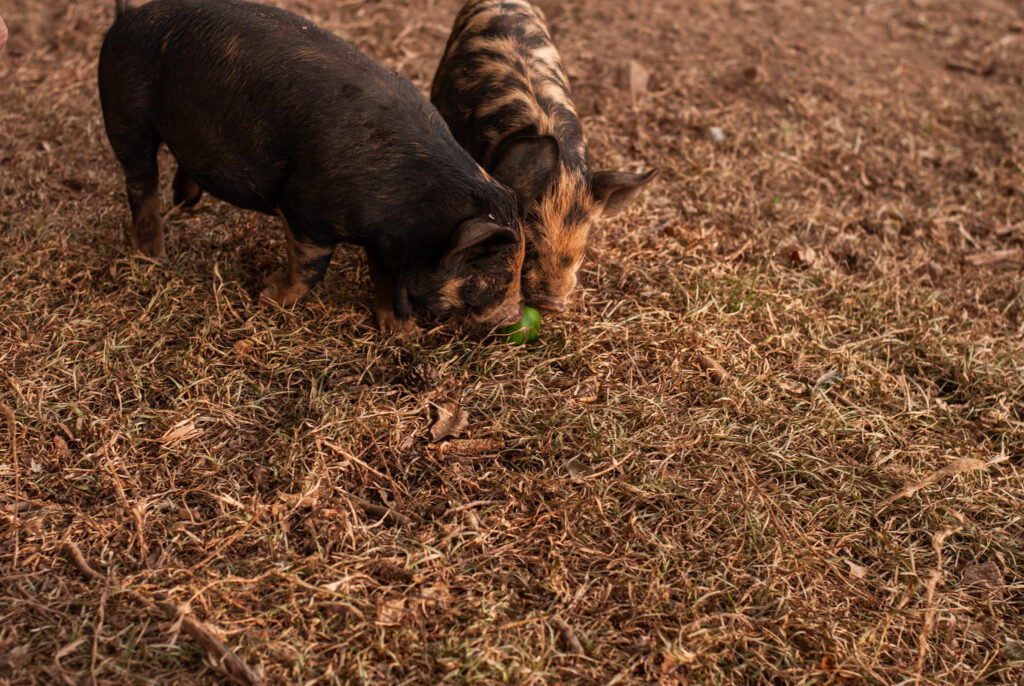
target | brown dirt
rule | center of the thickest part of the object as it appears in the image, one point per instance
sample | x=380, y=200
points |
x=780, y=428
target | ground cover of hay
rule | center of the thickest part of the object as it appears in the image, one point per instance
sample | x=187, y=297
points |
x=777, y=440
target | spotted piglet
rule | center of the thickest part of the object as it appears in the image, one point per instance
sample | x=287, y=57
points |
x=503, y=91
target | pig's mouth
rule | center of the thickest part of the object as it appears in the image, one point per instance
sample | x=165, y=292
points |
x=504, y=315
x=512, y=318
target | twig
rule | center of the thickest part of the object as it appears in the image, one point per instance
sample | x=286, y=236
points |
x=18, y=507
x=378, y=510
x=17, y=476
x=75, y=554
x=933, y=581
x=225, y=658
x=470, y=506
x=572, y=643
x=96, y=636
x=964, y=464
x=222, y=656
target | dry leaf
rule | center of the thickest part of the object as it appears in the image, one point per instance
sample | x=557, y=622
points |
x=803, y=256
x=714, y=370
x=792, y=387
x=572, y=641
x=986, y=576
x=17, y=657
x=242, y=347
x=60, y=447
x=856, y=571
x=577, y=471
x=182, y=431
x=1013, y=650
x=451, y=421
x=333, y=586
x=964, y=464
x=827, y=381
x=390, y=611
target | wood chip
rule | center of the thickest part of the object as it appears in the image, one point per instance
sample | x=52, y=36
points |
x=471, y=446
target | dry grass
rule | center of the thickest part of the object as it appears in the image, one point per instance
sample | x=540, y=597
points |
x=619, y=509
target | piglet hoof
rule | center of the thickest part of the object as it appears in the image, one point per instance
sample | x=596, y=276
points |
x=393, y=326
x=281, y=290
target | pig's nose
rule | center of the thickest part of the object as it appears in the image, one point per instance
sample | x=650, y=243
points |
x=552, y=304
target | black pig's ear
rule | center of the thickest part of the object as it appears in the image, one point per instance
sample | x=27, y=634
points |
x=478, y=236
x=615, y=190
x=526, y=164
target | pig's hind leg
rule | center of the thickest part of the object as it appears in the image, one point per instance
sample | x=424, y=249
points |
x=307, y=263
x=186, y=191
x=135, y=148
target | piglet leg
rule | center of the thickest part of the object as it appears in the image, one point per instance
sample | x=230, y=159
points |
x=307, y=263
x=384, y=301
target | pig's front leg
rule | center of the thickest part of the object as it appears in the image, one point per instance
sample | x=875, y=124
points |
x=385, y=294
x=307, y=263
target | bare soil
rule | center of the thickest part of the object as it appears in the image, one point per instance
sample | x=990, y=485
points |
x=779, y=438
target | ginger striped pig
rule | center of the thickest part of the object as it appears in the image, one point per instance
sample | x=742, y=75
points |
x=504, y=93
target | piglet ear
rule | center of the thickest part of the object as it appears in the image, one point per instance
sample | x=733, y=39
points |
x=615, y=190
x=478, y=236
x=526, y=164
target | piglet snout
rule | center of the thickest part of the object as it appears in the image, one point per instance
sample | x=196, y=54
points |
x=552, y=304
x=3, y=36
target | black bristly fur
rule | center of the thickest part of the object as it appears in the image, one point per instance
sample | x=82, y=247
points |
x=265, y=110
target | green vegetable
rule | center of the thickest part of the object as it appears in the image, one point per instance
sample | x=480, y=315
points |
x=523, y=331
